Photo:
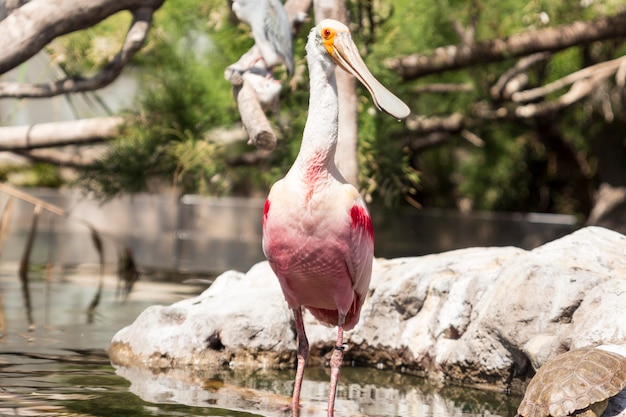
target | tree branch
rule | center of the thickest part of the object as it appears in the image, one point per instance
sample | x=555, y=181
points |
x=45, y=135
x=252, y=115
x=602, y=70
x=134, y=40
x=31, y=27
x=253, y=92
x=502, y=89
x=544, y=40
x=583, y=83
x=56, y=157
x=8, y=6
x=579, y=90
x=423, y=125
x=439, y=88
x=428, y=132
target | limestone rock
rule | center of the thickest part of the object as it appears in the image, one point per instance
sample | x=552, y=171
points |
x=241, y=319
x=472, y=316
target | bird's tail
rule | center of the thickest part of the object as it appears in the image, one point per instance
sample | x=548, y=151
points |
x=331, y=317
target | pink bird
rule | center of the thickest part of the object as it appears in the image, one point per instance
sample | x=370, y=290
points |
x=317, y=232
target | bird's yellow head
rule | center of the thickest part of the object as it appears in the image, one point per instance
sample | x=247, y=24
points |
x=338, y=43
x=328, y=31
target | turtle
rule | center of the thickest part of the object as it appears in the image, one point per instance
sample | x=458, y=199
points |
x=579, y=382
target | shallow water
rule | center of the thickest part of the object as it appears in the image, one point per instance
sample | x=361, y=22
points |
x=58, y=366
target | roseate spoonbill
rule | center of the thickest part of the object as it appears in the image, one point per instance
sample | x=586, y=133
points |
x=271, y=30
x=317, y=232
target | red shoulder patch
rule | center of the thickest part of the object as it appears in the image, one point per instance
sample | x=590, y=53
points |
x=362, y=220
x=266, y=209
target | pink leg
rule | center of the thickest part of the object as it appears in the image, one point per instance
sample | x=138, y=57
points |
x=303, y=352
x=335, y=364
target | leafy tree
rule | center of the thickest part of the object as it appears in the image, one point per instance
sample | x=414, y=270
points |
x=481, y=144
x=488, y=129
x=167, y=139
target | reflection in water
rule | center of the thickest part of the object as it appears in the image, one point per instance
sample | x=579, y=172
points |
x=39, y=387
x=361, y=392
x=25, y=262
x=4, y=223
x=3, y=320
x=127, y=273
x=60, y=368
x=97, y=243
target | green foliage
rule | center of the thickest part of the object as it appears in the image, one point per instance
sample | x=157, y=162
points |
x=184, y=96
x=166, y=139
x=47, y=175
x=515, y=169
x=494, y=177
x=84, y=52
x=386, y=173
x=37, y=175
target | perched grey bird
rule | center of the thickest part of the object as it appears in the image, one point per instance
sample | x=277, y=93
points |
x=271, y=30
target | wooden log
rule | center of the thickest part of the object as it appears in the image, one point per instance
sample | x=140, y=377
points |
x=259, y=130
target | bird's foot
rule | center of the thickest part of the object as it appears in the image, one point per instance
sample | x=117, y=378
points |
x=295, y=410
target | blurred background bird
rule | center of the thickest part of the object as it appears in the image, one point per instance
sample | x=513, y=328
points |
x=317, y=232
x=271, y=31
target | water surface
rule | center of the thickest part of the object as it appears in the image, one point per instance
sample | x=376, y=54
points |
x=53, y=362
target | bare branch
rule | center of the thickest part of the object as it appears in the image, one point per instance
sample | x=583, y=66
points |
x=134, y=40
x=609, y=208
x=620, y=75
x=8, y=6
x=465, y=34
x=422, y=124
x=12, y=191
x=483, y=110
x=544, y=40
x=252, y=115
x=56, y=157
x=253, y=92
x=579, y=90
x=472, y=138
x=439, y=88
x=43, y=135
x=584, y=83
x=602, y=70
x=31, y=27
x=500, y=89
x=428, y=132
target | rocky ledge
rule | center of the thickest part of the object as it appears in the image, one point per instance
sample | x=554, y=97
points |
x=480, y=317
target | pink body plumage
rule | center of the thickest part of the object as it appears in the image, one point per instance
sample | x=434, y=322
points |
x=317, y=233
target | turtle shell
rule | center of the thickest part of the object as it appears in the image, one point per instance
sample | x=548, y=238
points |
x=573, y=381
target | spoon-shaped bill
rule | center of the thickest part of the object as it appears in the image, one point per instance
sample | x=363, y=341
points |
x=346, y=55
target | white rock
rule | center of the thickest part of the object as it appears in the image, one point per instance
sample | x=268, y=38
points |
x=465, y=316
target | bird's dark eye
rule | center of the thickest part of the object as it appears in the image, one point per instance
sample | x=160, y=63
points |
x=326, y=33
